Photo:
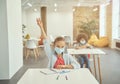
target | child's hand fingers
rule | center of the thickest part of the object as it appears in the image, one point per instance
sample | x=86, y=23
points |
x=39, y=22
x=59, y=66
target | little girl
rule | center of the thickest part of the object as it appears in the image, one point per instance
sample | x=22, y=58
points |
x=57, y=58
x=82, y=43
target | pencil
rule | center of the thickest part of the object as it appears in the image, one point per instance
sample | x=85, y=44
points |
x=57, y=77
x=66, y=77
x=53, y=70
x=43, y=72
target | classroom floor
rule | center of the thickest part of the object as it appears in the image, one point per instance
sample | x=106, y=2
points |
x=109, y=66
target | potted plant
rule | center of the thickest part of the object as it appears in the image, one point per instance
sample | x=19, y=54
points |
x=89, y=27
x=23, y=30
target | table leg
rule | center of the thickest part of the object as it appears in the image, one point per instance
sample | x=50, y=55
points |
x=25, y=51
x=100, y=77
x=35, y=53
x=94, y=66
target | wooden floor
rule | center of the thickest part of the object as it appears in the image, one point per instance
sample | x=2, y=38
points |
x=110, y=66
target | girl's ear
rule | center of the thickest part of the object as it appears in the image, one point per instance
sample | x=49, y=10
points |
x=53, y=45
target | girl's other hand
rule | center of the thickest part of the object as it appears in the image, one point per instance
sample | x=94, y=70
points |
x=60, y=66
x=83, y=46
x=77, y=47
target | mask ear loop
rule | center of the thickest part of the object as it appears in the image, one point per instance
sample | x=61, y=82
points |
x=51, y=62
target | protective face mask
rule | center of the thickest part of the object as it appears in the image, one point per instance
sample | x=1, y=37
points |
x=59, y=50
x=82, y=42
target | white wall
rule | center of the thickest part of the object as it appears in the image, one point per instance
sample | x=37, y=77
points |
x=24, y=17
x=102, y=14
x=115, y=21
x=29, y=19
x=15, y=36
x=4, y=54
x=119, y=20
x=119, y=28
x=11, y=34
x=60, y=22
x=115, y=18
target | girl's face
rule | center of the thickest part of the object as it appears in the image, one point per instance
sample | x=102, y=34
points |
x=59, y=47
x=60, y=44
x=82, y=41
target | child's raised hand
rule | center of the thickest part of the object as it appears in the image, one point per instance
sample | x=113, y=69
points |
x=39, y=22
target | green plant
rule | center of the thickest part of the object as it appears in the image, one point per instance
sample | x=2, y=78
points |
x=23, y=29
x=89, y=27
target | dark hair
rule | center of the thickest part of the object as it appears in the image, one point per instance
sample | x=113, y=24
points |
x=82, y=35
x=59, y=39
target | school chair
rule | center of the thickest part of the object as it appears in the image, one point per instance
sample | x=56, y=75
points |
x=31, y=46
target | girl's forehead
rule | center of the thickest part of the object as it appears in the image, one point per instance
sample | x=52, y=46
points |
x=60, y=43
x=82, y=38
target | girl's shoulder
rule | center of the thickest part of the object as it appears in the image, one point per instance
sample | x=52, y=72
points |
x=66, y=55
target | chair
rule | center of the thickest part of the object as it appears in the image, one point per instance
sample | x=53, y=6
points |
x=31, y=46
x=102, y=42
x=93, y=39
x=67, y=40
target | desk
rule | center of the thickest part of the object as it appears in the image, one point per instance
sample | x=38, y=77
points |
x=94, y=52
x=77, y=76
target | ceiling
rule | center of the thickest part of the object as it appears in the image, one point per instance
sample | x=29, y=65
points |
x=61, y=3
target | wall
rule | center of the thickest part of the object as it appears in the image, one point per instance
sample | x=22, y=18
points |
x=119, y=19
x=109, y=22
x=119, y=25
x=4, y=54
x=11, y=34
x=115, y=18
x=60, y=22
x=112, y=22
x=115, y=21
x=24, y=17
x=102, y=14
x=14, y=36
x=29, y=19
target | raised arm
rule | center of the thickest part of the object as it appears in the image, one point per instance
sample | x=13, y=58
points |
x=40, y=24
x=46, y=42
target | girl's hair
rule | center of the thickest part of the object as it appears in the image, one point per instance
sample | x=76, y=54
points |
x=59, y=39
x=82, y=35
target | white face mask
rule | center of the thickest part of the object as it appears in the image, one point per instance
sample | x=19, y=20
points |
x=59, y=50
x=82, y=42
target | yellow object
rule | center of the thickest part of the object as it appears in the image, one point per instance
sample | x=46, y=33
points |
x=102, y=42
x=93, y=38
x=27, y=36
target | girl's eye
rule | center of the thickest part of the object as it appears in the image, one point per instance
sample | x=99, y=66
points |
x=58, y=46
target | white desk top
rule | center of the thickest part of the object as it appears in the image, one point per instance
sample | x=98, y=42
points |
x=85, y=51
x=77, y=76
